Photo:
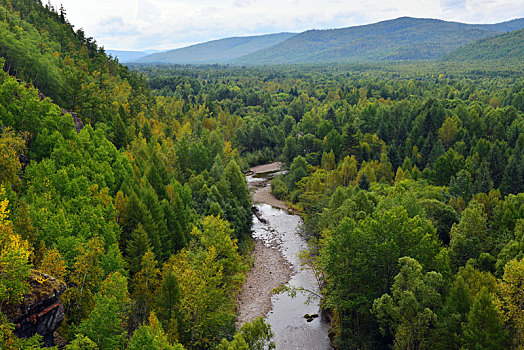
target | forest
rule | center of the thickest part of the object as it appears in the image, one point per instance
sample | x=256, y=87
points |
x=127, y=184
x=410, y=185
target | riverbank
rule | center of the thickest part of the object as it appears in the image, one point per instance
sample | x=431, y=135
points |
x=295, y=320
x=270, y=267
x=262, y=193
x=266, y=168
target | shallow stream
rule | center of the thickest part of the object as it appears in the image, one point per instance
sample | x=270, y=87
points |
x=277, y=228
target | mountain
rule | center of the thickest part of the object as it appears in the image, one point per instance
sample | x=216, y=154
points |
x=217, y=51
x=399, y=39
x=508, y=26
x=509, y=46
x=128, y=56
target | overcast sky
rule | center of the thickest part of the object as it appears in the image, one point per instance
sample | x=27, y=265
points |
x=169, y=24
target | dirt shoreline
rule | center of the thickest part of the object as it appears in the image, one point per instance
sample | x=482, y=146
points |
x=270, y=270
x=270, y=267
x=266, y=168
x=263, y=194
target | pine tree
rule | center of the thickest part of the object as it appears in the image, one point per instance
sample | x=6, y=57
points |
x=513, y=179
x=137, y=246
x=105, y=324
x=168, y=302
x=484, y=329
x=497, y=161
x=363, y=182
x=483, y=182
x=146, y=283
x=448, y=333
x=460, y=185
x=119, y=132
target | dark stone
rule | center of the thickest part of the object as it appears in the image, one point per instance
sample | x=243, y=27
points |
x=79, y=125
x=309, y=317
x=258, y=215
x=41, y=312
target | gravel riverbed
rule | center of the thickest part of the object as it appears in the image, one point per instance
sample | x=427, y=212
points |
x=270, y=267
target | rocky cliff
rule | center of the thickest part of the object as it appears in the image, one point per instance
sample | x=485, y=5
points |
x=41, y=311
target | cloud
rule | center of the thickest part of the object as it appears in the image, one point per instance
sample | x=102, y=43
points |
x=116, y=26
x=243, y=3
x=453, y=5
x=167, y=24
x=147, y=11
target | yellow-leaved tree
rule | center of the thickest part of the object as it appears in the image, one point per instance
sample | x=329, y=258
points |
x=14, y=259
x=209, y=275
x=511, y=299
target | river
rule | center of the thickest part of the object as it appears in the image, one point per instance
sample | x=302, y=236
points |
x=276, y=227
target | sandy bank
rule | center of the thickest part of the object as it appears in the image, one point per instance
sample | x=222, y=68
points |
x=270, y=268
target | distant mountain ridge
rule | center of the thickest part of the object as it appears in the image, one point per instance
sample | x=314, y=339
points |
x=217, y=51
x=129, y=56
x=400, y=39
x=404, y=38
x=508, y=46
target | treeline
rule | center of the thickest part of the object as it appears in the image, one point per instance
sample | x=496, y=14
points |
x=411, y=191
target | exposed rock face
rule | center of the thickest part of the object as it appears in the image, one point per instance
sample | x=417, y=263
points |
x=41, y=311
x=79, y=125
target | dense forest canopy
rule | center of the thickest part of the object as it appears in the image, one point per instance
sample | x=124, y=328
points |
x=127, y=184
x=409, y=176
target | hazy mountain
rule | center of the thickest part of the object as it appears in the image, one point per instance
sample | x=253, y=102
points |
x=399, y=39
x=217, y=51
x=509, y=46
x=129, y=56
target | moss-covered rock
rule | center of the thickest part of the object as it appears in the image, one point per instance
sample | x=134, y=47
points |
x=41, y=310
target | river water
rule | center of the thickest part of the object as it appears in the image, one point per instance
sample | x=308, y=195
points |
x=279, y=231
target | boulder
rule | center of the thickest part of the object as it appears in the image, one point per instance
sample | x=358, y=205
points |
x=41, y=311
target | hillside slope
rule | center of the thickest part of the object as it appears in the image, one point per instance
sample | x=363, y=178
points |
x=41, y=47
x=217, y=51
x=509, y=46
x=399, y=39
x=60, y=188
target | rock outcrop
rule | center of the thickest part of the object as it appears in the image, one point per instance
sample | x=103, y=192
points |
x=41, y=312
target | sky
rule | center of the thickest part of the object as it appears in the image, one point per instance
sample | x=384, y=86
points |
x=169, y=24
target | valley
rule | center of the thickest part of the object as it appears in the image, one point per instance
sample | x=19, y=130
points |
x=352, y=188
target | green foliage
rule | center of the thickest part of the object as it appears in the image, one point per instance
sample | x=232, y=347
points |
x=142, y=211
x=368, y=250
x=151, y=337
x=14, y=259
x=209, y=275
x=484, y=328
x=410, y=312
x=82, y=342
x=254, y=335
x=105, y=325
x=470, y=236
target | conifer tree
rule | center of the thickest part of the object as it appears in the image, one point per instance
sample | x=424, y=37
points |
x=513, y=178
x=137, y=246
x=484, y=328
x=146, y=283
